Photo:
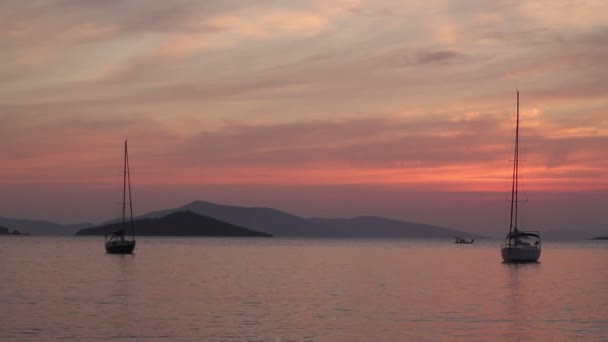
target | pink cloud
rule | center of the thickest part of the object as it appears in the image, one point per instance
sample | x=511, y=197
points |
x=301, y=94
x=418, y=153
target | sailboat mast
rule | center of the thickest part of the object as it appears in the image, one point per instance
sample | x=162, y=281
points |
x=124, y=187
x=515, y=182
x=130, y=197
x=514, y=249
x=517, y=163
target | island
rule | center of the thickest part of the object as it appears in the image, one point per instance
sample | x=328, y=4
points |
x=182, y=223
x=282, y=224
x=7, y=231
x=600, y=238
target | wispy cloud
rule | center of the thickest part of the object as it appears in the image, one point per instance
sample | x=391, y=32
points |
x=459, y=152
x=316, y=92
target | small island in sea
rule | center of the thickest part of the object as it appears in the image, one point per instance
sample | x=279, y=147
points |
x=6, y=231
x=600, y=238
x=182, y=223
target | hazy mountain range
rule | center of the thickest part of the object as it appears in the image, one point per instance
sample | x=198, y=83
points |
x=282, y=224
x=373, y=226
x=38, y=227
x=6, y=231
x=181, y=223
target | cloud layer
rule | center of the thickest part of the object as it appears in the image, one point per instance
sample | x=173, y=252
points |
x=292, y=93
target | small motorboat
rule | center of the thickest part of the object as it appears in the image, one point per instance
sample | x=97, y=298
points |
x=463, y=240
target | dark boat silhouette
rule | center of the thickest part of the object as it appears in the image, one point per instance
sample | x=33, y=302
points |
x=118, y=242
x=519, y=245
x=463, y=240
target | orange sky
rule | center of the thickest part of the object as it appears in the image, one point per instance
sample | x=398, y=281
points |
x=359, y=94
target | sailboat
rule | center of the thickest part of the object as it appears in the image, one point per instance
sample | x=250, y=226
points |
x=117, y=242
x=519, y=246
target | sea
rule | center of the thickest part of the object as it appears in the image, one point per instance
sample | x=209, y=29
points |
x=279, y=289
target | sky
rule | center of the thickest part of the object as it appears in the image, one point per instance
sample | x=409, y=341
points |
x=319, y=108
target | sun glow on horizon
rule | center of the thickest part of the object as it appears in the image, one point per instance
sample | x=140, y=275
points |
x=301, y=94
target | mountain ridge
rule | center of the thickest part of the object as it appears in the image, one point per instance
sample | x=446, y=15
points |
x=268, y=220
x=42, y=227
x=281, y=224
x=361, y=226
x=181, y=223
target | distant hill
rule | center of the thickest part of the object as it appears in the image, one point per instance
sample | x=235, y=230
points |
x=278, y=223
x=565, y=234
x=600, y=238
x=267, y=220
x=38, y=228
x=373, y=227
x=6, y=231
x=181, y=223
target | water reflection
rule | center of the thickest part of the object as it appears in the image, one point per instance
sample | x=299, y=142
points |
x=119, y=291
x=239, y=289
x=518, y=277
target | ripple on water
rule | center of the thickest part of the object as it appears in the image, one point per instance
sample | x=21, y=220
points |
x=298, y=290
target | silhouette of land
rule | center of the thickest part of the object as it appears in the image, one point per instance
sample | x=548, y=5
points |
x=7, y=231
x=39, y=227
x=182, y=223
x=281, y=224
x=600, y=238
x=267, y=220
x=373, y=226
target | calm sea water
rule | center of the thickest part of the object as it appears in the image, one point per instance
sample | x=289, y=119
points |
x=178, y=289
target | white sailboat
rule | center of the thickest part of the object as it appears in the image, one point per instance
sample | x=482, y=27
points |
x=519, y=246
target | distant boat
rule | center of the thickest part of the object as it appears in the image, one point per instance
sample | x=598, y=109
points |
x=117, y=242
x=463, y=241
x=519, y=246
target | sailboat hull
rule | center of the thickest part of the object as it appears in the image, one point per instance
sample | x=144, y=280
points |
x=520, y=254
x=120, y=247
